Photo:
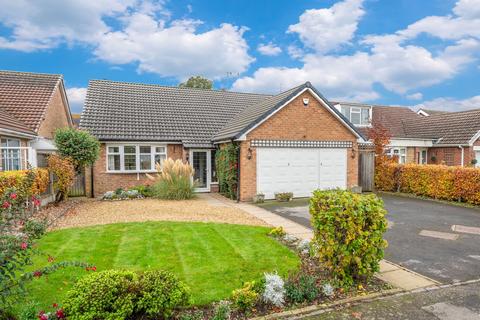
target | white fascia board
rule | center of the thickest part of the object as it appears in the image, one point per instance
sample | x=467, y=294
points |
x=149, y=143
x=410, y=143
x=474, y=138
x=243, y=137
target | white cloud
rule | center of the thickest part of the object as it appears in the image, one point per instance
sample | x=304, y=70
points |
x=329, y=28
x=269, y=49
x=451, y=104
x=415, y=96
x=176, y=50
x=76, y=98
x=295, y=52
x=388, y=60
x=45, y=24
x=143, y=35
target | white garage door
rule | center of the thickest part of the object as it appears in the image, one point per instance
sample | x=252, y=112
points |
x=300, y=170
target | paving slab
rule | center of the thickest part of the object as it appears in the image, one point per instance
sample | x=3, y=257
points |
x=439, y=235
x=466, y=229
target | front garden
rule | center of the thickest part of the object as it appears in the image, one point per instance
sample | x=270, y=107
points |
x=120, y=260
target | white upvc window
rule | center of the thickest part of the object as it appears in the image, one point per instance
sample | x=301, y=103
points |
x=401, y=153
x=131, y=157
x=358, y=116
x=12, y=155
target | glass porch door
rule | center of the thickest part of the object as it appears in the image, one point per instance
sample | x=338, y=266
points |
x=200, y=160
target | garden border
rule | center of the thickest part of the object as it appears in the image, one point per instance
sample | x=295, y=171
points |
x=323, y=308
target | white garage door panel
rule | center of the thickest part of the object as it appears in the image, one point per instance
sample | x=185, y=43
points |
x=299, y=170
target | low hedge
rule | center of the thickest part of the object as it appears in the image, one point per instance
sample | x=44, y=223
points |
x=119, y=294
x=15, y=179
x=433, y=181
x=348, y=233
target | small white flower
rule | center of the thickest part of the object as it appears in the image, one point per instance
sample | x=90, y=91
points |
x=327, y=289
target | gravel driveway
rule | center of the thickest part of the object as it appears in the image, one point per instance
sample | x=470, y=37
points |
x=88, y=212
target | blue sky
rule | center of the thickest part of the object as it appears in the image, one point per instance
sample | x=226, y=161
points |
x=403, y=52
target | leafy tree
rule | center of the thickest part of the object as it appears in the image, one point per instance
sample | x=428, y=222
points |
x=80, y=146
x=63, y=169
x=198, y=82
x=380, y=137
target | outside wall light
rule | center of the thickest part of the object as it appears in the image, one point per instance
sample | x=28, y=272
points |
x=249, y=153
x=353, y=153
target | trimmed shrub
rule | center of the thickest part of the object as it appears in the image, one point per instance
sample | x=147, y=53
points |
x=284, y=196
x=173, y=180
x=433, y=181
x=160, y=293
x=245, y=298
x=16, y=179
x=348, y=233
x=106, y=295
x=115, y=294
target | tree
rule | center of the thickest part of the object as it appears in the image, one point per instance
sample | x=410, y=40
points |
x=380, y=137
x=198, y=82
x=80, y=146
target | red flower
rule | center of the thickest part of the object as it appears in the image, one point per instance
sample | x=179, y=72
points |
x=36, y=202
x=51, y=259
x=91, y=268
x=6, y=205
x=94, y=268
x=43, y=317
x=60, y=314
x=24, y=245
x=55, y=305
x=13, y=196
x=37, y=274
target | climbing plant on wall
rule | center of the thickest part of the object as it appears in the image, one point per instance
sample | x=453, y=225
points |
x=227, y=170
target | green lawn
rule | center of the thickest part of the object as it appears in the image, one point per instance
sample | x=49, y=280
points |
x=213, y=259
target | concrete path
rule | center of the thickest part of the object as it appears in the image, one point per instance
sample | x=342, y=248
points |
x=395, y=275
x=452, y=302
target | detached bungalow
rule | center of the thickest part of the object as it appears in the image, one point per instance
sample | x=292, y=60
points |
x=296, y=141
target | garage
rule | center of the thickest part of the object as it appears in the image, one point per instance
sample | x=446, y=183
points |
x=300, y=170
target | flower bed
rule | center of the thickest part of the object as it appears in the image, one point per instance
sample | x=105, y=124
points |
x=433, y=181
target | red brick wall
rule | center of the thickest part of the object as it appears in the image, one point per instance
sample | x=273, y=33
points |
x=296, y=122
x=448, y=155
x=104, y=181
x=56, y=116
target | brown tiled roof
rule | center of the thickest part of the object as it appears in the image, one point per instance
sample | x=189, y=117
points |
x=25, y=96
x=450, y=128
x=9, y=122
x=392, y=118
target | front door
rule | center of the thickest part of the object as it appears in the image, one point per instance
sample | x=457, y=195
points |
x=200, y=160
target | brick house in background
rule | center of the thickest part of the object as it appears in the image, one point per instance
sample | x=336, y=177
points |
x=422, y=137
x=296, y=141
x=32, y=107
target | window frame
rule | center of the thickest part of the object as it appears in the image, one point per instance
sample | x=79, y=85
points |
x=9, y=151
x=137, y=145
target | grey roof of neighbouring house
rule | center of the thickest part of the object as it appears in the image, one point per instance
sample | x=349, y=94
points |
x=120, y=111
x=451, y=128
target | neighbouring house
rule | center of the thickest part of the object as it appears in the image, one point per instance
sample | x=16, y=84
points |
x=32, y=107
x=76, y=119
x=407, y=148
x=295, y=141
x=422, y=137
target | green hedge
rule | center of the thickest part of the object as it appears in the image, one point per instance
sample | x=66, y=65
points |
x=227, y=170
x=348, y=233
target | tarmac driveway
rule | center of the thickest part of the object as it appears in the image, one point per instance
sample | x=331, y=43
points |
x=420, y=235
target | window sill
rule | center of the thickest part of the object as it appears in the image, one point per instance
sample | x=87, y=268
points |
x=123, y=172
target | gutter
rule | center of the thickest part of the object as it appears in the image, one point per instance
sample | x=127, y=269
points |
x=463, y=155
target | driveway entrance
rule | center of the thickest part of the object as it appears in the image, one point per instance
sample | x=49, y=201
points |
x=437, y=240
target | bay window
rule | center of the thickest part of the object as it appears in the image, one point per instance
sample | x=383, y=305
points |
x=134, y=158
x=11, y=155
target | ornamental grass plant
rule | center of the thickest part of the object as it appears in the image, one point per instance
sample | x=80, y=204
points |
x=173, y=180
